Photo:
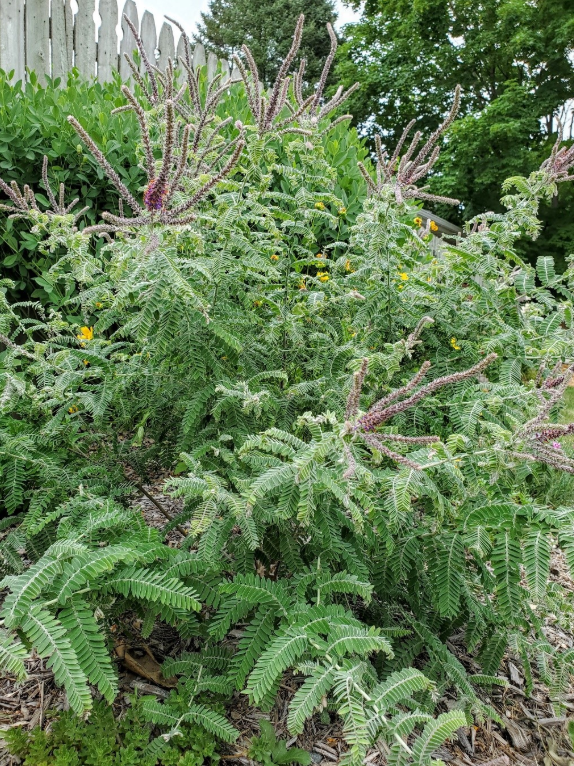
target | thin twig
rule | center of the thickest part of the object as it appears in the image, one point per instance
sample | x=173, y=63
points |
x=160, y=508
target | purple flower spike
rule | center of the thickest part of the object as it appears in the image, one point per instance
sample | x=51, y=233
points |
x=155, y=194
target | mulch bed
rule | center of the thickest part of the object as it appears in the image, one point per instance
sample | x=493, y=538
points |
x=532, y=734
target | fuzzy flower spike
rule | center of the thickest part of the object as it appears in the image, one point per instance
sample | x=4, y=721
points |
x=397, y=401
x=308, y=111
x=404, y=171
x=536, y=440
x=188, y=150
x=24, y=201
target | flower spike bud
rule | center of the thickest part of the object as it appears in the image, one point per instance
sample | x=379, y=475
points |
x=384, y=410
x=105, y=165
x=24, y=201
x=326, y=67
x=283, y=70
x=146, y=63
x=402, y=171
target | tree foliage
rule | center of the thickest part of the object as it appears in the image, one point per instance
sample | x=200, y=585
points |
x=267, y=28
x=513, y=61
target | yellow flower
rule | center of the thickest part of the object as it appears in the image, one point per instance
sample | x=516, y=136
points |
x=302, y=285
x=348, y=266
x=433, y=226
x=257, y=303
x=319, y=255
x=86, y=362
x=86, y=333
x=404, y=276
x=401, y=287
x=274, y=257
x=319, y=206
x=419, y=220
x=323, y=276
x=72, y=409
x=99, y=305
x=454, y=344
x=342, y=210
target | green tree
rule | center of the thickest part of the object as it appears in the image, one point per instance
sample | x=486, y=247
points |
x=267, y=28
x=513, y=61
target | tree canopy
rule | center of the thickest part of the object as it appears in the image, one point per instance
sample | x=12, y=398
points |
x=267, y=28
x=513, y=61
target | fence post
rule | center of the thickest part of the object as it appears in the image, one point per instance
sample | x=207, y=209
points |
x=85, y=38
x=107, y=40
x=198, y=56
x=62, y=38
x=12, y=38
x=38, y=37
x=180, y=52
x=128, y=42
x=149, y=37
x=166, y=45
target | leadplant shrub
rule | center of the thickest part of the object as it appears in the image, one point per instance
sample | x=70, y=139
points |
x=363, y=431
x=31, y=128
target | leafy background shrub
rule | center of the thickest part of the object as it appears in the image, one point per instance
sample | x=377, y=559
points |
x=31, y=127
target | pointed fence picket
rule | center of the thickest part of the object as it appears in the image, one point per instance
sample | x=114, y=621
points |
x=46, y=37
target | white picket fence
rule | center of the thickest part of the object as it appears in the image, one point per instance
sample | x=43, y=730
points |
x=47, y=37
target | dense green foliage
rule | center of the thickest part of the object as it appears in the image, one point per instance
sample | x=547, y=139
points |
x=104, y=740
x=31, y=127
x=346, y=515
x=268, y=751
x=513, y=59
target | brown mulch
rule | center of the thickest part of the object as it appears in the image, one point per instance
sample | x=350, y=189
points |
x=532, y=733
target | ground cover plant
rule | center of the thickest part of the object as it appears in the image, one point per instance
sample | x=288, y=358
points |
x=365, y=432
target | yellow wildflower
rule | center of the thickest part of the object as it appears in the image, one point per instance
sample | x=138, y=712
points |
x=257, y=303
x=323, y=276
x=302, y=285
x=72, y=409
x=418, y=220
x=86, y=362
x=319, y=206
x=274, y=258
x=454, y=344
x=404, y=276
x=99, y=305
x=319, y=255
x=342, y=210
x=433, y=226
x=348, y=266
x=86, y=333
